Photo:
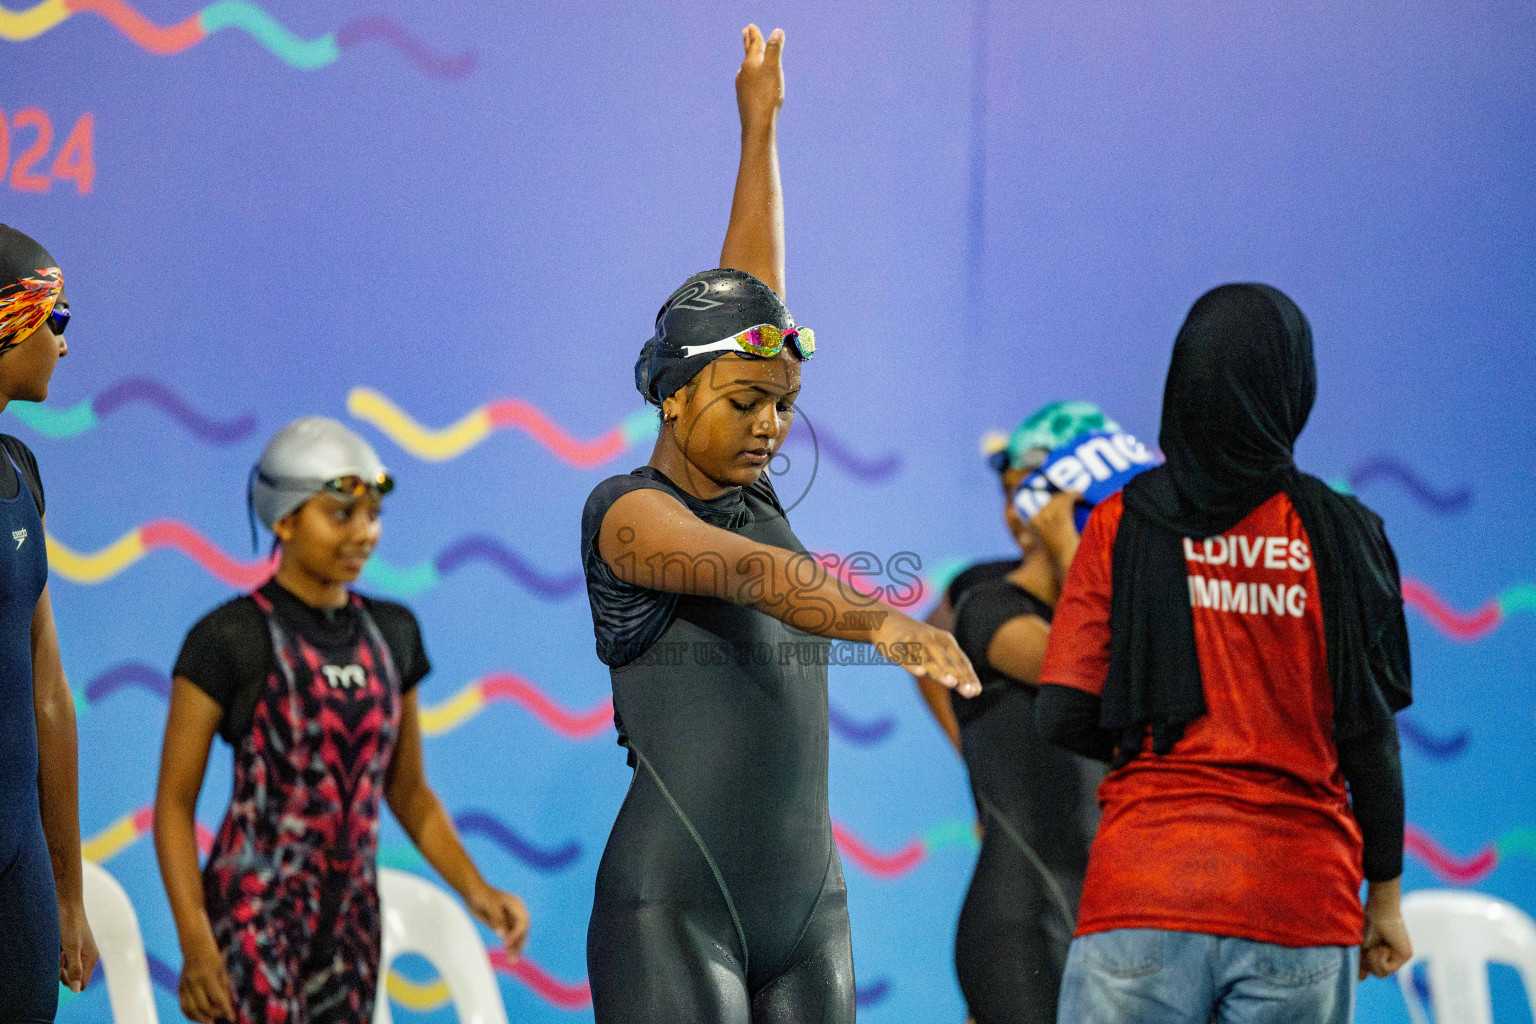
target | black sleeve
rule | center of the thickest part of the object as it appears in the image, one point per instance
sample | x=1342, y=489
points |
x=1069, y=718
x=403, y=634
x=979, y=572
x=984, y=610
x=26, y=462
x=601, y=500
x=1373, y=767
x=227, y=655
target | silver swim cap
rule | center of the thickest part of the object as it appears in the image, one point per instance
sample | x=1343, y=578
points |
x=301, y=459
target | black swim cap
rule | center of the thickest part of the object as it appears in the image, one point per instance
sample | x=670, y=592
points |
x=709, y=307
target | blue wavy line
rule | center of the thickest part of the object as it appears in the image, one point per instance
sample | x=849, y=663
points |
x=1385, y=467
x=860, y=733
x=488, y=825
x=1440, y=748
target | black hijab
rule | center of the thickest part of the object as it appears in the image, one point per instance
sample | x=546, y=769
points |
x=1240, y=387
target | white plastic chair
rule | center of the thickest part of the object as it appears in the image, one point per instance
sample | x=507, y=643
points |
x=1457, y=934
x=421, y=918
x=121, y=945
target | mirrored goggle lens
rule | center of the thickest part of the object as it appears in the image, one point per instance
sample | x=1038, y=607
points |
x=803, y=341
x=58, y=320
x=767, y=341
x=354, y=487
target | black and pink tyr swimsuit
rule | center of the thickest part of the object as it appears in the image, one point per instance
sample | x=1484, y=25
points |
x=290, y=883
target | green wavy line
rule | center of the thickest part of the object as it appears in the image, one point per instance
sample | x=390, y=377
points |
x=1519, y=598
x=640, y=425
x=59, y=424
x=400, y=582
x=950, y=833
x=305, y=54
x=1519, y=840
x=945, y=572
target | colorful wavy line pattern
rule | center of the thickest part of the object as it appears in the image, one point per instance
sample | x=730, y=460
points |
x=1473, y=625
x=62, y=424
x=134, y=825
x=424, y=997
x=129, y=829
x=475, y=697
x=1393, y=470
x=441, y=444
x=100, y=566
x=395, y=581
x=1468, y=870
x=293, y=50
x=1447, y=866
x=893, y=865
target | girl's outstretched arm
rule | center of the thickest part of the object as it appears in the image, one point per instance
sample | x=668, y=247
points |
x=58, y=790
x=754, y=240
x=189, y=728
x=426, y=821
x=650, y=539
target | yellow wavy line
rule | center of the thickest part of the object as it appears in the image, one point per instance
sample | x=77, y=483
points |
x=420, y=998
x=98, y=566
x=422, y=442
x=19, y=26
x=439, y=718
x=110, y=841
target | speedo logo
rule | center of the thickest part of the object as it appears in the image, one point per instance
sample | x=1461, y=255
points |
x=20, y=537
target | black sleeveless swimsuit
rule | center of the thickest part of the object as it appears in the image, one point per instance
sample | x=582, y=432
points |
x=1038, y=813
x=720, y=896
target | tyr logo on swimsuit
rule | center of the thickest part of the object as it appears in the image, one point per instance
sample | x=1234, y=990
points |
x=344, y=676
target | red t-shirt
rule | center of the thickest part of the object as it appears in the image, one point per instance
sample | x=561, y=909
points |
x=1243, y=828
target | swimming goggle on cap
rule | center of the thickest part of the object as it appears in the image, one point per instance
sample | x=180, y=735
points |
x=30, y=283
x=717, y=313
x=312, y=456
x=762, y=342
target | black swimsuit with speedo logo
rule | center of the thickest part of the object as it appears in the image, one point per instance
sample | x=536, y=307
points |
x=720, y=896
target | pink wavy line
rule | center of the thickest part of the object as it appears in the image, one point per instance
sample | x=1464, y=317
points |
x=514, y=412
x=865, y=584
x=565, y=995
x=1460, y=625
x=1445, y=864
x=507, y=686
x=881, y=865
x=160, y=40
x=169, y=533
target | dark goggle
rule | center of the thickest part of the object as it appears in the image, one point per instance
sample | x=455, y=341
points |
x=351, y=488
x=762, y=342
x=347, y=488
x=1032, y=460
x=58, y=319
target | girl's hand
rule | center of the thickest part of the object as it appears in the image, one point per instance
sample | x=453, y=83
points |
x=1385, y=947
x=760, y=82
x=77, y=947
x=927, y=653
x=204, y=985
x=505, y=915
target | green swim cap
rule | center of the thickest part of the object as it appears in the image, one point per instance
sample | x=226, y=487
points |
x=1043, y=431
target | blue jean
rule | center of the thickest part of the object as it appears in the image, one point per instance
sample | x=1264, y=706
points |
x=1148, y=976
